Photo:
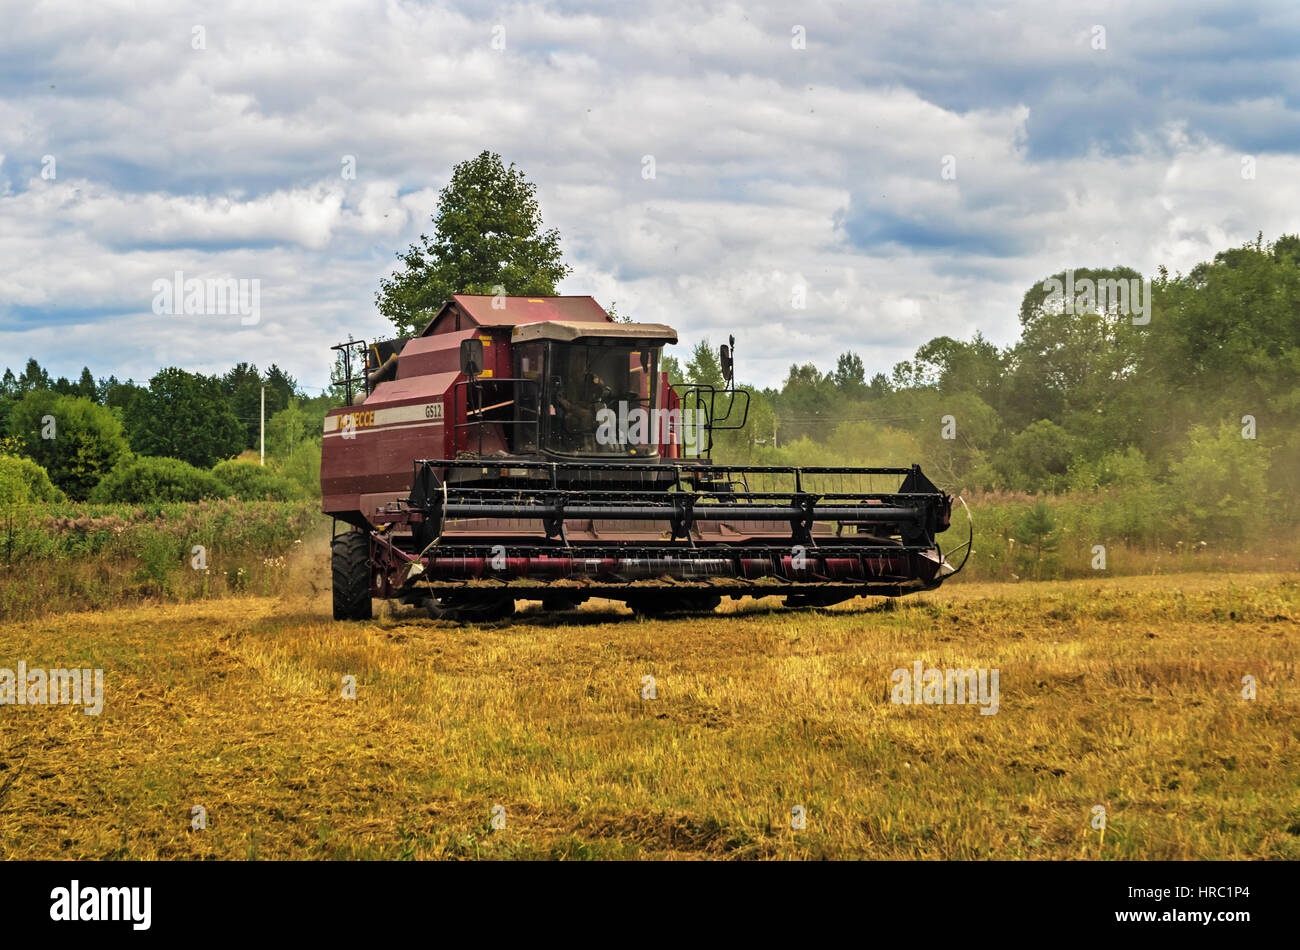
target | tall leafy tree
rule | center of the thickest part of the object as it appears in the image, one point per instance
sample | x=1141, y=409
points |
x=121, y=398
x=703, y=367
x=286, y=429
x=670, y=365
x=242, y=385
x=487, y=233
x=185, y=416
x=953, y=366
x=1038, y=458
x=86, y=387
x=33, y=377
x=1072, y=362
x=850, y=375
x=76, y=441
x=281, y=389
x=807, y=404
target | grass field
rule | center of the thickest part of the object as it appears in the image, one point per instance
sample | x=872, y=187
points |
x=1124, y=692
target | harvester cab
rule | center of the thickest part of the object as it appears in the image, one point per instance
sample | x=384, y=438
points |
x=534, y=449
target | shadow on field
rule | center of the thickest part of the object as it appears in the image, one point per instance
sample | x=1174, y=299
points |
x=393, y=614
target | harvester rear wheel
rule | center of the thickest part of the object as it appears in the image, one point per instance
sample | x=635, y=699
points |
x=555, y=603
x=350, y=570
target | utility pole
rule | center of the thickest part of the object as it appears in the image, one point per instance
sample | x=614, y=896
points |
x=261, y=434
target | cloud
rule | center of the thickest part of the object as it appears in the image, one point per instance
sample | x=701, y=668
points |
x=776, y=168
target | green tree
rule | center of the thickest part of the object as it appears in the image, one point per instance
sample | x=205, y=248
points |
x=807, y=405
x=1225, y=341
x=957, y=435
x=33, y=377
x=302, y=467
x=1038, y=458
x=879, y=387
x=761, y=427
x=954, y=367
x=703, y=367
x=286, y=429
x=1071, y=362
x=86, y=387
x=185, y=416
x=75, y=440
x=673, y=368
x=850, y=375
x=1220, y=483
x=123, y=399
x=1037, y=536
x=281, y=389
x=9, y=396
x=487, y=233
x=1115, y=469
x=242, y=385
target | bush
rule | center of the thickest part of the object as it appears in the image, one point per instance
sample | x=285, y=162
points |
x=1114, y=469
x=302, y=468
x=249, y=481
x=23, y=482
x=75, y=440
x=78, y=556
x=1038, y=457
x=1220, y=482
x=146, y=479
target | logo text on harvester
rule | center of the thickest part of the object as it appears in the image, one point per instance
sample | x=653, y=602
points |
x=53, y=687
x=103, y=903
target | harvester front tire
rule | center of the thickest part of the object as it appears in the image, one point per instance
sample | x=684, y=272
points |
x=556, y=603
x=350, y=570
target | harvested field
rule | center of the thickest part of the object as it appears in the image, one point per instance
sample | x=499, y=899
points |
x=1125, y=693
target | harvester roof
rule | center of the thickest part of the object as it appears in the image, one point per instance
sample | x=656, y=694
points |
x=568, y=330
x=465, y=311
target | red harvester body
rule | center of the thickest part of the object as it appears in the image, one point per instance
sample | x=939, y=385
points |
x=530, y=448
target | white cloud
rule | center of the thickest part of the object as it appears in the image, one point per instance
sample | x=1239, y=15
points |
x=774, y=166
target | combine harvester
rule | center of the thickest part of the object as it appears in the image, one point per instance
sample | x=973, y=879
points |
x=526, y=448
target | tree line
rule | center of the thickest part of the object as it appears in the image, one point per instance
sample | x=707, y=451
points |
x=79, y=432
x=1199, y=392
x=1199, y=396
x=1203, y=390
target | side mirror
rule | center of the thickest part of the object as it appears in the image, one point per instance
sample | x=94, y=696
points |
x=471, y=356
x=727, y=368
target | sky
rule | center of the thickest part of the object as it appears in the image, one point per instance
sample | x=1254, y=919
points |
x=812, y=178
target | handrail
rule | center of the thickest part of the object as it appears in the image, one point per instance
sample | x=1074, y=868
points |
x=697, y=391
x=475, y=385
